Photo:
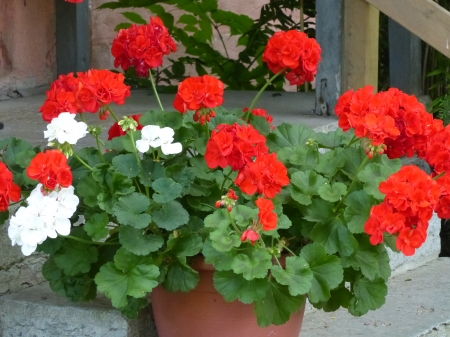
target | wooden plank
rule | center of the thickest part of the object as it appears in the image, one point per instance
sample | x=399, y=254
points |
x=72, y=36
x=405, y=64
x=360, y=45
x=329, y=36
x=424, y=18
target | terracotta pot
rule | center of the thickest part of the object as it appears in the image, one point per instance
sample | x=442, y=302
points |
x=204, y=313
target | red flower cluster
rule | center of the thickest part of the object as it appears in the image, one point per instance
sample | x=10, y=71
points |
x=266, y=175
x=85, y=93
x=266, y=215
x=295, y=51
x=411, y=197
x=251, y=235
x=234, y=145
x=437, y=152
x=116, y=130
x=50, y=169
x=262, y=113
x=202, y=94
x=142, y=47
x=393, y=121
x=8, y=190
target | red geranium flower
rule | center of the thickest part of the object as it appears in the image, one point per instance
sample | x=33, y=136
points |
x=295, y=51
x=266, y=175
x=266, y=216
x=251, y=235
x=116, y=130
x=142, y=47
x=8, y=190
x=50, y=169
x=410, y=239
x=234, y=145
x=200, y=94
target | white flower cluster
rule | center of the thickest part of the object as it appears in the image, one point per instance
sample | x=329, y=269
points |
x=45, y=216
x=154, y=136
x=65, y=128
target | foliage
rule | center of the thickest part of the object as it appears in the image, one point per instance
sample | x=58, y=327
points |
x=201, y=23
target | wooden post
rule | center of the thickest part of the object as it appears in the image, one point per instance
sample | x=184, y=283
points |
x=404, y=59
x=73, y=31
x=360, y=45
x=329, y=36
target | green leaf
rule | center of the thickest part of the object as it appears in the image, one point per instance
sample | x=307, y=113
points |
x=277, y=306
x=373, y=261
x=123, y=25
x=18, y=153
x=75, y=257
x=54, y=275
x=150, y=171
x=243, y=215
x=171, y=216
x=307, y=183
x=209, y=5
x=369, y=295
x=50, y=246
x=334, y=237
x=134, y=17
x=182, y=175
x=223, y=240
x=297, y=275
x=372, y=175
x=172, y=119
x=329, y=163
x=129, y=275
x=287, y=135
x=129, y=210
x=327, y=272
x=180, y=277
x=305, y=157
x=353, y=158
x=256, y=266
x=185, y=245
x=188, y=19
x=135, y=241
x=260, y=124
x=126, y=164
x=330, y=139
x=357, y=211
x=166, y=190
x=219, y=219
x=332, y=192
x=133, y=307
x=232, y=287
x=220, y=260
x=88, y=189
x=340, y=297
x=96, y=226
x=319, y=210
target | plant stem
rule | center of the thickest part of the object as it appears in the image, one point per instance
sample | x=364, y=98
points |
x=224, y=180
x=130, y=133
x=87, y=241
x=154, y=89
x=353, y=140
x=112, y=113
x=233, y=224
x=438, y=176
x=100, y=153
x=355, y=178
x=82, y=161
x=252, y=104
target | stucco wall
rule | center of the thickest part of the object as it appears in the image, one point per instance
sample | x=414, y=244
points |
x=27, y=44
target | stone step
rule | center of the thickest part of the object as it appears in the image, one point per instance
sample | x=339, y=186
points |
x=417, y=305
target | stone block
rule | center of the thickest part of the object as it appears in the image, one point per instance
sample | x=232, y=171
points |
x=38, y=312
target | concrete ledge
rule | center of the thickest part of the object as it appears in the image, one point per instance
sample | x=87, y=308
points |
x=38, y=312
x=418, y=304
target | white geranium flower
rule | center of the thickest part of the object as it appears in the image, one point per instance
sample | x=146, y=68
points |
x=154, y=136
x=67, y=201
x=36, y=195
x=65, y=128
x=40, y=222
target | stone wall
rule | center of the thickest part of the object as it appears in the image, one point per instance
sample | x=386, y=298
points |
x=27, y=45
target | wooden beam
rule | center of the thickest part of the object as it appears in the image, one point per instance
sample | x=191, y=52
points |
x=360, y=45
x=424, y=18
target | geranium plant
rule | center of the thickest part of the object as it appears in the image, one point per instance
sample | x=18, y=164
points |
x=282, y=213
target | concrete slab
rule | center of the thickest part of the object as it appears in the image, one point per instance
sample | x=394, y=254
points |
x=38, y=312
x=418, y=304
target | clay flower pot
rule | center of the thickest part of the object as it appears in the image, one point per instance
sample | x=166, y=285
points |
x=204, y=313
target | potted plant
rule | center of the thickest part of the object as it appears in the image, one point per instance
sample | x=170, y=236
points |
x=255, y=214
